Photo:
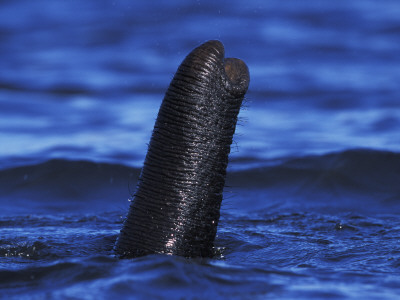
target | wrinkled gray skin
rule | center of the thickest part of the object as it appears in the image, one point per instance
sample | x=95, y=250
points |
x=177, y=203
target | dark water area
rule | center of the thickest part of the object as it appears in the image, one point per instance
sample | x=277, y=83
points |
x=312, y=227
x=312, y=199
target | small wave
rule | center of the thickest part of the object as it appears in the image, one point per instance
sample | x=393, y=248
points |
x=351, y=177
x=369, y=169
x=28, y=250
x=62, y=185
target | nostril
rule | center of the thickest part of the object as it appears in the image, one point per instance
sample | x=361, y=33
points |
x=238, y=74
x=236, y=70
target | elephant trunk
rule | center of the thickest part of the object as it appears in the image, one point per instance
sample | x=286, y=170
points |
x=176, y=206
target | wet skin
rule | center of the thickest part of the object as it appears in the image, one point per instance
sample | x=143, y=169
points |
x=176, y=207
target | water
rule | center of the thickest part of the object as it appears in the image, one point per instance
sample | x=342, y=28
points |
x=312, y=198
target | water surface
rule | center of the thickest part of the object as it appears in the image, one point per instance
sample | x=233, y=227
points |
x=312, y=198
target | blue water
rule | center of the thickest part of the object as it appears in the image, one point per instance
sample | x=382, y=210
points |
x=312, y=202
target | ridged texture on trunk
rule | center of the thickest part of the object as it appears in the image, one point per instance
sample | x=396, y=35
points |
x=176, y=206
